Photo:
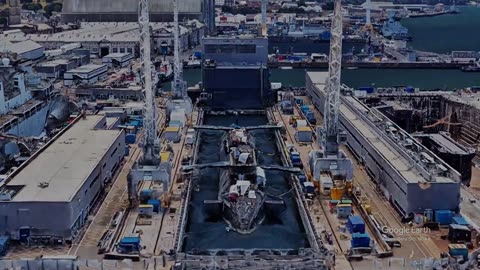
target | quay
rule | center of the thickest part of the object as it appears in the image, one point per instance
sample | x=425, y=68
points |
x=371, y=65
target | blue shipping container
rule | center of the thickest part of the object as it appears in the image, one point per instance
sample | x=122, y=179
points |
x=458, y=250
x=130, y=138
x=299, y=101
x=302, y=178
x=326, y=35
x=355, y=224
x=410, y=89
x=368, y=89
x=443, y=217
x=134, y=123
x=360, y=240
x=156, y=205
x=459, y=220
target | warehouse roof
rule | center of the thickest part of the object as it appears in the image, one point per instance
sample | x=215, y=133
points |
x=66, y=164
x=96, y=32
x=19, y=47
x=86, y=68
x=128, y=6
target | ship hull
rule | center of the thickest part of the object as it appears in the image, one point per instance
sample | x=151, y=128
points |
x=247, y=221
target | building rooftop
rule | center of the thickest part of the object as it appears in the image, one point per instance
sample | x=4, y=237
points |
x=96, y=32
x=66, y=164
x=128, y=6
x=388, y=151
x=19, y=47
x=54, y=63
x=118, y=55
x=86, y=68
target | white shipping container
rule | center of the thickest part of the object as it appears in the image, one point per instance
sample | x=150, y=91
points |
x=360, y=93
x=301, y=123
x=326, y=184
x=189, y=139
x=178, y=115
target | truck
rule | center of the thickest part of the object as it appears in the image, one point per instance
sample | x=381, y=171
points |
x=310, y=116
x=287, y=107
x=295, y=159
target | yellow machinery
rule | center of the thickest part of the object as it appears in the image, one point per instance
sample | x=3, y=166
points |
x=293, y=119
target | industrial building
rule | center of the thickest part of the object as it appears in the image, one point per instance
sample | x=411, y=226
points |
x=26, y=50
x=105, y=38
x=118, y=60
x=86, y=75
x=56, y=68
x=234, y=70
x=127, y=10
x=52, y=193
x=409, y=175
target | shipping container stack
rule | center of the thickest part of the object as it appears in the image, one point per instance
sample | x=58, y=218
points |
x=356, y=226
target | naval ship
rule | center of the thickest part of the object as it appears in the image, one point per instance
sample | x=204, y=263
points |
x=392, y=29
x=243, y=198
x=240, y=146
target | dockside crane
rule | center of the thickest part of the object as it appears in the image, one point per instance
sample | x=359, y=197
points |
x=180, y=98
x=330, y=161
x=148, y=167
x=264, y=18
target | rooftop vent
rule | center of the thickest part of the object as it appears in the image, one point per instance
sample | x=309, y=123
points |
x=43, y=184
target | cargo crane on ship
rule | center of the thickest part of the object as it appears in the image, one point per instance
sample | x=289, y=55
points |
x=331, y=162
x=149, y=167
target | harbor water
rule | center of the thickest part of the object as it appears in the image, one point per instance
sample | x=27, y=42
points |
x=446, y=33
x=207, y=230
x=440, y=34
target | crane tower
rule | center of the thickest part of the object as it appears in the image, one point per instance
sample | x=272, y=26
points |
x=149, y=167
x=331, y=132
x=264, y=18
x=180, y=98
x=331, y=160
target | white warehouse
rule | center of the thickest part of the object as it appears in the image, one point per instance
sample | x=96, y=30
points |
x=87, y=74
x=53, y=192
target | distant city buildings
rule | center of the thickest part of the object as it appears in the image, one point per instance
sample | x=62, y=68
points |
x=108, y=37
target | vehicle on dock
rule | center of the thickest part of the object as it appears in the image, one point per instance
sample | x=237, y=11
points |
x=243, y=199
x=165, y=72
x=240, y=146
x=294, y=157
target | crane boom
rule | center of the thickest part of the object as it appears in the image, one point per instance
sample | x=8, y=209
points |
x=264, y=17
x=149, y=167
x=332, y=103
x=179, y=85
x=150, y=142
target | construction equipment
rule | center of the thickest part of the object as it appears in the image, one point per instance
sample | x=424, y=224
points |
x=331, y=159
x=149, y=167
